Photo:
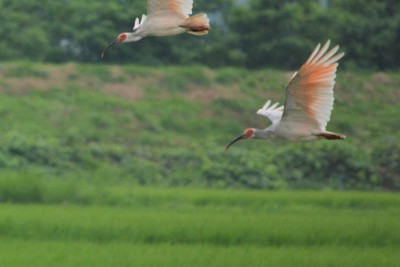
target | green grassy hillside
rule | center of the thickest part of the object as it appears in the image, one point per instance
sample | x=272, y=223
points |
x=66, y=126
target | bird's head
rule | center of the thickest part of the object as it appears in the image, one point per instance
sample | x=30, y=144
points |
x=122, y=38
x=248, y=133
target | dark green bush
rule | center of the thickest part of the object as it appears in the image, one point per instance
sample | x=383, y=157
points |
x=386, y=159
x=327, y=164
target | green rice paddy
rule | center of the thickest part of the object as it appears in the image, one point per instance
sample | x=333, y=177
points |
x=190, y=227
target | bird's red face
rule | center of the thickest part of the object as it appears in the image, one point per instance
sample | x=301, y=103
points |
x=121, y=37
x=248, y=133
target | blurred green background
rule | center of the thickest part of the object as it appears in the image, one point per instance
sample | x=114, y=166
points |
x=160, y=111
x=121, y=162
x=245, y=33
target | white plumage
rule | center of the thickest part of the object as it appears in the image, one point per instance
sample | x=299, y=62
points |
x=139, y=22
x=272, y=112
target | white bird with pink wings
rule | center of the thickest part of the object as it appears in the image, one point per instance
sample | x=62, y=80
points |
x=308, y=104
x=165, y=18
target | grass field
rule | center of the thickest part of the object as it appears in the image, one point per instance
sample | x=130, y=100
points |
x=190, y=227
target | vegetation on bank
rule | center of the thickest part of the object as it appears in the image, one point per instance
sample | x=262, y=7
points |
x=70, y=125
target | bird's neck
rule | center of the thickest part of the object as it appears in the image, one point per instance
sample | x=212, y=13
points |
x=133, y=36
x=263, y=133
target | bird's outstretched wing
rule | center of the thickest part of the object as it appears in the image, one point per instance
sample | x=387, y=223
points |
x=272, y=112
x=309, y=93
x=139, y=22
x=183, y=7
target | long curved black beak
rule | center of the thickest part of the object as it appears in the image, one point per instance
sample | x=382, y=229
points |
x=242, y=136
x=105, y=49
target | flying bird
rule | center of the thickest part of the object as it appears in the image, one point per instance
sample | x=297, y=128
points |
x=308, y=103
x=164, y=18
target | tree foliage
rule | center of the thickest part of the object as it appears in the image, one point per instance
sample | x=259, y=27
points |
x=253, y=33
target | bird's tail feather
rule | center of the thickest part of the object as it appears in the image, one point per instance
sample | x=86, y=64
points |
x=331, y=136
x=198, y=24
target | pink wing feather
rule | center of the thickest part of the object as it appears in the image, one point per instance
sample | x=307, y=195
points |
x=309, y=93
x=183, y=7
